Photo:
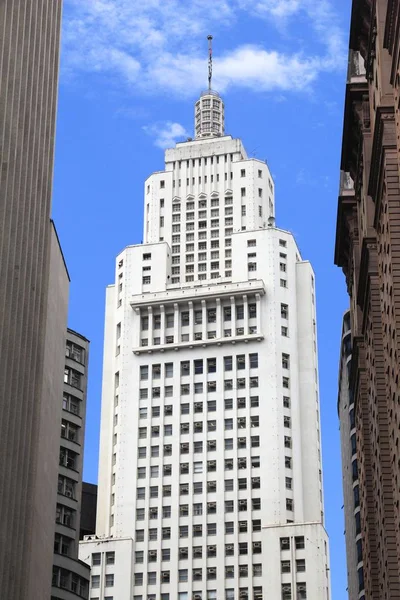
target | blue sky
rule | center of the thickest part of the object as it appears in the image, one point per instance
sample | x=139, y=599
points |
x=130, y=73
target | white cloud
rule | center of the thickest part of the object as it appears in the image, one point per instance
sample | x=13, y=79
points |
x=166, y=134
x=153, y=46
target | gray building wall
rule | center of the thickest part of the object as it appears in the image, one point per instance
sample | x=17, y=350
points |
x=71, y=576
x=350, y=469
x=33, y=296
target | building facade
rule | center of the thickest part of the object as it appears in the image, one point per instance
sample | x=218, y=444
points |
x=367, y=248
x=70, y=575
x=351, y=487
x=210, y=477
x=33, y=296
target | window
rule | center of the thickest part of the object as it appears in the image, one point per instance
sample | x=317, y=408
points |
x=146, y=280
x=284, y=331
x=95, y=581
x=285, y=566
x=299, y=542
x=300, y=565
x=229, y=527
x=228, y=424
x=109, y=580
x=283, y=243
x=253, y=358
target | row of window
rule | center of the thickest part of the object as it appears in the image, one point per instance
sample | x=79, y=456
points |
x=201, y=366
x=154, y=471
x=108, y=580
x=75, y=352
x=211, y=316
x=198, y=510
x=210, y=573
x=199, y=426
x=243, y=526
x=214, y=214
x=229, y=486
x=198, y=388
x=211, y=595
x=211, y=406
x=229, y=445
x=198, y=335
x=69, y=581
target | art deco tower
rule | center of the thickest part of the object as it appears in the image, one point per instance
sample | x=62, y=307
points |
x=210, y=480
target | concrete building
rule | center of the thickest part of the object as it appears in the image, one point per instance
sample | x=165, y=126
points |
x=210, y=477
x=70, y=575
x=33, y=297
x=351, y=487
x=367, y=249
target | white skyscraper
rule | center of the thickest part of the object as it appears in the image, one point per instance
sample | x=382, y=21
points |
x=210, y=483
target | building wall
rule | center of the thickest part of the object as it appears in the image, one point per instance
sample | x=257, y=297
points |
x=351, y=486
x=29, y=59
x=69, y=575
x=228, y=448
x=367, y=249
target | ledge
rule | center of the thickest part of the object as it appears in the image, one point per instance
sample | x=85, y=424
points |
x=201, y=292
x=250, y=337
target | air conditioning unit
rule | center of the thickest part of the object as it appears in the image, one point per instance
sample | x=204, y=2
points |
x=301, y=588
x=286, y=589
x=153, y=553
x=198, y=405
x=229, y=546
x=211, y=570
x=212, y=505
x=256, y=544
x=285, y=543
x=242, y=502
x=241, y=360
x=197, y=597
x=243, y=594
x=68, y=494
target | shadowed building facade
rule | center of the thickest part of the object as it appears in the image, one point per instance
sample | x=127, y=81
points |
x=368, y=250
x=33, y=297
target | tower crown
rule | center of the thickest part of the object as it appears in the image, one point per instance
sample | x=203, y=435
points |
x=209, y=110
x=209, y=115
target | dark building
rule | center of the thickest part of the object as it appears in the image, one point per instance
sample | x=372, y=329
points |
x=88, y=509
x=70, y=575
x=33, y=297
x=351, y=487
x=368, y=250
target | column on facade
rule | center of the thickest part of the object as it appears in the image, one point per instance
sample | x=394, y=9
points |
x=218, y=317
x=138, y=329
x=245, y=314
x=150, y=325
x=258, y=308
x=162, y=323
x=191, y=321
x=233, y=315
x=204, y=319
x=176, y=323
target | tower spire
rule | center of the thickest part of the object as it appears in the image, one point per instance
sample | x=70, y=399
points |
x=210, y=38
x=209, y=111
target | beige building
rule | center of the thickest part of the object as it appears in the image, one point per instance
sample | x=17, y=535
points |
x=367, y=249
x=33, y=297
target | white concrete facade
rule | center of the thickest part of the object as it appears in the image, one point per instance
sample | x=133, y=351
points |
x=210, y=433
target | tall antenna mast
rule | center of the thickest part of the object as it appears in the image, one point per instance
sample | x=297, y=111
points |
x=209, y=37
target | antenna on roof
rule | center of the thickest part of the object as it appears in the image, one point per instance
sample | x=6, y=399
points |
x=209, y=37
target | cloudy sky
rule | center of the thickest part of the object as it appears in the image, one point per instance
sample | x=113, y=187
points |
x=130, y=74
